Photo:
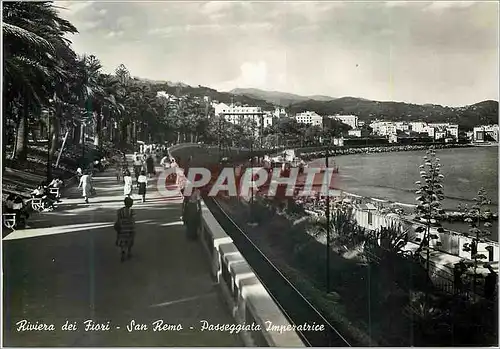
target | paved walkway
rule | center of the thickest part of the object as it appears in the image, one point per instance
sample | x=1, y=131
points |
x=67, y=268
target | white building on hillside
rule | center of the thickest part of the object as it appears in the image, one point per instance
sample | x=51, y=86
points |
x=268, y=119
x=309, y=118
x=485, y=133
x=236, y=114
x=280, y=113
x=354, y=132
x=418, y=126
x=164, y=94
x=402, y=126
x=351, y=120
x=384, y=128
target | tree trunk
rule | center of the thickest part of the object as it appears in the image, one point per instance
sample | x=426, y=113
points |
x=54, y=133
x=76, y=134
x=98, y=129
x=82, y=133
x=22, y=135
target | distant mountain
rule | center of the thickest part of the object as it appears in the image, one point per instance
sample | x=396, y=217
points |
x=275, y=97
x=485, y=112
x=482, y=113
x=214, y=95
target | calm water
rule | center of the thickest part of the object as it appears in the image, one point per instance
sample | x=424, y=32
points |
x=392, y=176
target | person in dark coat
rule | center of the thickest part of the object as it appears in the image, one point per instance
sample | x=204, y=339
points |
x=490, y=283
x=125, y=229
x=150, y=165
x=142, y=183
x=192, y=214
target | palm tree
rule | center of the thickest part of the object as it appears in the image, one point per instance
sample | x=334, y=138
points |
x=34, y=46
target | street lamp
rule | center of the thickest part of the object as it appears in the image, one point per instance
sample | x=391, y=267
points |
x=219, y=133
x=49, y=165
x=251, y=166
x=327, y=213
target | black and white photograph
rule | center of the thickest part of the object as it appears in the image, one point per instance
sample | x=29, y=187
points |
x=250, y=173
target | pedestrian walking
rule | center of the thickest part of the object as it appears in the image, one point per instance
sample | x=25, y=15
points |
x=142, y=183
x=127, y=183
x=191, y=214
x=86, y=185
x=125, y=229
x=137, y=166
x=150, y=166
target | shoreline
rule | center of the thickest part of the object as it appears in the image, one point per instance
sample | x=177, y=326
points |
x=452, y=215
x=338, y=151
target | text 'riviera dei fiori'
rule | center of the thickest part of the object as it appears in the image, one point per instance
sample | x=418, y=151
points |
x=93, y=326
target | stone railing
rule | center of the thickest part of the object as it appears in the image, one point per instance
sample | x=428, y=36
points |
x=248, y=299
x=244, y=293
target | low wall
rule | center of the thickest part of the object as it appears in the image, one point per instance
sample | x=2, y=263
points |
x=249, y=301
x=244, y=293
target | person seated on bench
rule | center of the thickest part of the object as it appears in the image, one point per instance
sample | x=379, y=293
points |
x=15, y=204
x=56, y=183
x=41, y=193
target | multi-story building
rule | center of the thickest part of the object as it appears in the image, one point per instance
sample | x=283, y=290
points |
x=280, y=113
x=452, y=130
x=402, y=126
x=309, y=118
x=418, y=126
x=441, y=130
x=351, y=120
x=354, y=132
x=236, y=114
x=486, y=133
x=268, y=119
x=430, y=131
x=383, y=128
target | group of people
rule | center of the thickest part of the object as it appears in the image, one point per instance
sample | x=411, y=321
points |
x=125, y=219
x=42, y=191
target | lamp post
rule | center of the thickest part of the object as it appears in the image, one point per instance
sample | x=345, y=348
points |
x=327, y=213
x=251, y=166
x=219, y=133
x=49, y=134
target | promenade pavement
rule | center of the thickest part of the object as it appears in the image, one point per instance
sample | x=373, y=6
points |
x=67, y=268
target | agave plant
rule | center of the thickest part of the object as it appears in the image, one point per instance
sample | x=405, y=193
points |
x=429, y=196
x=478, y=232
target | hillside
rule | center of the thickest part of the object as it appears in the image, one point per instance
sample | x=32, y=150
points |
x=485, y=112
x=275, y=97
x=202, y=91
x=481, y=113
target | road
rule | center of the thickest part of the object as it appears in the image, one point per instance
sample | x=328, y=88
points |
x=67, y=268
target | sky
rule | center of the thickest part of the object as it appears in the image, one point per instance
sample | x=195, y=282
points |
x=416, y=52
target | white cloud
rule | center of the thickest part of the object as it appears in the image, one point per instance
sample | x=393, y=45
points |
x=88, y=25
x=395, y=3
x=215, y=7
x=114, y=34
x=204, y=28
x=103, y=11
x=73, y=7
x=252, y=74
x=438, y=6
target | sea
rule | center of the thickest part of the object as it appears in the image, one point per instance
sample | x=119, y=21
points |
x=392, y=176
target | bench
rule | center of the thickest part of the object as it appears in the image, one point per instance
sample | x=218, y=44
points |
x=37, y=204
x=55, y=191
x=9, y=220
